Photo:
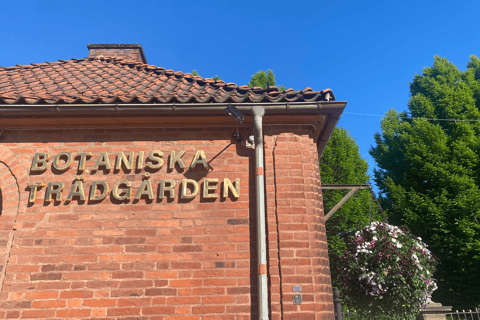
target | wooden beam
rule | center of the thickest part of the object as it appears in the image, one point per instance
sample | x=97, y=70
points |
x=345, y=186
x=338, y=205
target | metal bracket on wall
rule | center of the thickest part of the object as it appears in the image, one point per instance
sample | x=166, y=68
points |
x=352, y=187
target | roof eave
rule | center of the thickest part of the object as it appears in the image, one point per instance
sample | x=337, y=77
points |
x=326, y=113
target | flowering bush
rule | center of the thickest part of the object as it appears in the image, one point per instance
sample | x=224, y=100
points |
x=387, y=272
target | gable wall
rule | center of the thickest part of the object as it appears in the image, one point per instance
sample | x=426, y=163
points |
x=157, y=259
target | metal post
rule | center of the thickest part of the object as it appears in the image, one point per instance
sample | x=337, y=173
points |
x=337, y=305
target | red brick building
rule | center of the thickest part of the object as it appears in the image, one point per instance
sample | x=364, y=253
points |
x=125, y=195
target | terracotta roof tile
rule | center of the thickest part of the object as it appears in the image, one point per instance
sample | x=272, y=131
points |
x=108, y=80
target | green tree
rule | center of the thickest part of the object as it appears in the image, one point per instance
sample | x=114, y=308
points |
x=341, y=163
x=195, y=73
x=429, y=173
x=264, y=79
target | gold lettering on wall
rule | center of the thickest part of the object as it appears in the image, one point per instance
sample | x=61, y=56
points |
x=228, y=186
x=122, y=190
x=184, y=190
x=207, y=186
x=83, y=158
x=176, y=158
x=76, y=191
x=33, y=191
x=127, y=192
x=155, y=160
x=140, y=160
x=103, y=161
x=121, y=159
x=68, y=160
x=93, y=190
x=145, y=189
x=54, y=188
x=199, y=159
x=162, y=188
x=39, y=162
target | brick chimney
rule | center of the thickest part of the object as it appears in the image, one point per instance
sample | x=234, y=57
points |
x=126, y=51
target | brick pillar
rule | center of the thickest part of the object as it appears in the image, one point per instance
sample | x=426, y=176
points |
x=295, y=217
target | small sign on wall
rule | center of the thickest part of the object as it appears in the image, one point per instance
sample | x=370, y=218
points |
x=297, y=298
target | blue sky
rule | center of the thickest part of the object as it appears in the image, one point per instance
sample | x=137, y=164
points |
x=367, y=52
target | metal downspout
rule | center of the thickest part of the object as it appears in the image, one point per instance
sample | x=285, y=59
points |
x=258, y=112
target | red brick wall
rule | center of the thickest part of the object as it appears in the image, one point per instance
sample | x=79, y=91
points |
x=298, y=251
x=169, y=259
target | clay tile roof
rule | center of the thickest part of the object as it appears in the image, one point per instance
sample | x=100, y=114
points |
x=114, y=80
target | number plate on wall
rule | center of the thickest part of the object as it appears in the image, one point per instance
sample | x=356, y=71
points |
x=297, y=299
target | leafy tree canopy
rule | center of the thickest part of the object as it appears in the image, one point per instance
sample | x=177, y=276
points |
x=341, y=163
x=264, y=79
x=429, y=173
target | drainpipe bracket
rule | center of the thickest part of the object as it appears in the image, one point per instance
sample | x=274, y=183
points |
x=262, y=269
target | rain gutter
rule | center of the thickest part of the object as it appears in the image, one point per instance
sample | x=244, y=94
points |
x=178, y=109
